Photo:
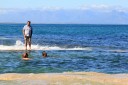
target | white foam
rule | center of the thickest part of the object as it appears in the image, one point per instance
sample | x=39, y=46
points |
x=20, y=46
x=119, y=51
x=3, y=38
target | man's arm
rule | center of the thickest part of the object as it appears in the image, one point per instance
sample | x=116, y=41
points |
x=31, y=31
x=23, y=31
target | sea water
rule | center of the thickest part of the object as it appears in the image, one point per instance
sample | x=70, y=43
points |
x=70, y=47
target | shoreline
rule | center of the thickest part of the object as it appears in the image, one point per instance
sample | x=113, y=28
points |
x=66, y=78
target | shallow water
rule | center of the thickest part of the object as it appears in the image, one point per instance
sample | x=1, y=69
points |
x=98, y=48
x=63, y=61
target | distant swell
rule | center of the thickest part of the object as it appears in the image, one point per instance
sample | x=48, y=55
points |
x=20, y=46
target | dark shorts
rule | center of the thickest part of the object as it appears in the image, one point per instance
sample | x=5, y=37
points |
x=27, y=39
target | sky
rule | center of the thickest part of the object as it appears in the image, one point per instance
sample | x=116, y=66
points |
x=58, y=3
x=65, y=11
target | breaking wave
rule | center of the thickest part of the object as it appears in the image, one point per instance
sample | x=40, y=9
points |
x=19, y=45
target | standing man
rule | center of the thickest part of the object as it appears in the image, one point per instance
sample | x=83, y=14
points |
x=27, y=33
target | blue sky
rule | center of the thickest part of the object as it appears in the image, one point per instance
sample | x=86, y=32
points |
x=65, y=11
x=58, y=3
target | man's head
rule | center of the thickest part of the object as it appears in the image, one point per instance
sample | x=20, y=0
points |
x=25, y=55
x=28, y=23
x=44, y=54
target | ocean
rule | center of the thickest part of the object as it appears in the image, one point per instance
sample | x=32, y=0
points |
x=70, y=48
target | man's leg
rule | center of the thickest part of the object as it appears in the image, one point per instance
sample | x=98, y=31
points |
x=25, y=43
x=29, y=43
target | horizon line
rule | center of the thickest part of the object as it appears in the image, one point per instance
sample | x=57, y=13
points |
x=63, y=23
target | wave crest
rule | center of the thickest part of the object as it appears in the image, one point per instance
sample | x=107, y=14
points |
x=19, y=45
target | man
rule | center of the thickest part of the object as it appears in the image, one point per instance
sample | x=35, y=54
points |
x=27, y=33
x=25, y=56
x=44, y=54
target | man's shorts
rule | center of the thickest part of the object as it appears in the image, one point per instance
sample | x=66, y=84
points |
x=27, y=39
